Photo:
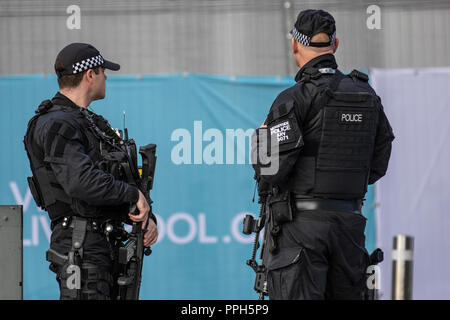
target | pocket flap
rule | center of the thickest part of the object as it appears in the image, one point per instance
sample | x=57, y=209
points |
x=284, y=258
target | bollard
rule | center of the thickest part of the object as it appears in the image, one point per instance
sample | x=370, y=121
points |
x=402, y=267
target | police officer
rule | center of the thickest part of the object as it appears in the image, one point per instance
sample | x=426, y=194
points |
x=333, y=139
x=65, y=144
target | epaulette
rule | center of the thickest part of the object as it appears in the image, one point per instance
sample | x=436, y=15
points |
x=360, y=75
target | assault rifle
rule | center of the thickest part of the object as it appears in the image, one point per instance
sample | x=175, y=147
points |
x=131, y=255
x=255, y=226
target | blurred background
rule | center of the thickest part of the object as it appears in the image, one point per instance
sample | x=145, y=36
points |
x=220, y=36
x=195, y=73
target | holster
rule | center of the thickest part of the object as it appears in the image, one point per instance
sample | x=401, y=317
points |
x=68, y=267
x=280, y=211
x=280, y=207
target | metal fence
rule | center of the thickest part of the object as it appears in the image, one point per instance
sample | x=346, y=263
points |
x=219, y=36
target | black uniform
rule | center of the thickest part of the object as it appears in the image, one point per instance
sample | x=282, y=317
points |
x=65, y=154
x=80, y=165
x=333, y=139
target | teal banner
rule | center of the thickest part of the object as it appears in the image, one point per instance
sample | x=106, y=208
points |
x=203, y=184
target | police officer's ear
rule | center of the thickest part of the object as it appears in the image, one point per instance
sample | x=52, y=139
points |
x=335, y=45
x=90, y=75
x=295, y=46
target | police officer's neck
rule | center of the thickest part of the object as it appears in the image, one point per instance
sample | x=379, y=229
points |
x=304, y=54
x=301, y=60
x=77, y=96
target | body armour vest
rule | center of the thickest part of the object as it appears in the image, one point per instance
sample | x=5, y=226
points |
x=99, y=138
x=339, y=134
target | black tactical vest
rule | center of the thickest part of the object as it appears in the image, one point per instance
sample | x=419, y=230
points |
x=99, y=143
x=339, y=135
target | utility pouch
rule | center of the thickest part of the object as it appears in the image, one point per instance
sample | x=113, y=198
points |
x=35, y=192
x=111, y=163
x=280, y=207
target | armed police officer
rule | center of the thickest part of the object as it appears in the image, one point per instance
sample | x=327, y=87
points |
x=333, y=140
x=76, y=178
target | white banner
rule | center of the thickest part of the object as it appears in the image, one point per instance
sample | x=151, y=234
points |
x=414, y=196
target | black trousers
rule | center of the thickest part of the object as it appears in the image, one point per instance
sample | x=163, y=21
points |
x=321, y=255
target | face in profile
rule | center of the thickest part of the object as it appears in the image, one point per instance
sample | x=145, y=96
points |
x=99, y=84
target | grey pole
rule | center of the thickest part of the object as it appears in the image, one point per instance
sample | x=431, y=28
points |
x=402, y=267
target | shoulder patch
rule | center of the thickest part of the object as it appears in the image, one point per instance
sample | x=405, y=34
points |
x=282, y=131
x=282, y=125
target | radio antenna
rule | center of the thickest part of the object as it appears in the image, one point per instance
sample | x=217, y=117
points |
x=125, y=130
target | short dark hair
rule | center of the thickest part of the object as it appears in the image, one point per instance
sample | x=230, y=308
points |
x=70, y=80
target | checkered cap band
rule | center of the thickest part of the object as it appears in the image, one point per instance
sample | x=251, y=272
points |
x=305, y=40
x=300, y=37
x=87, y=64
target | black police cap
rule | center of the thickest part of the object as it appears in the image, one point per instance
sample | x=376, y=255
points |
x=311, y=22
x=79, y=57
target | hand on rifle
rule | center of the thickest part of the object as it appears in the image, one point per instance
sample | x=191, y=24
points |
x=143, y=207
x=151, y=235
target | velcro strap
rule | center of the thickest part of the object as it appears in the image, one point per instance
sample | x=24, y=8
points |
x=59, y=129
x=351, y=97
x=52, y=132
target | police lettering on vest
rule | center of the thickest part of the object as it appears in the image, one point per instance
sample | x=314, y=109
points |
x=351, y=117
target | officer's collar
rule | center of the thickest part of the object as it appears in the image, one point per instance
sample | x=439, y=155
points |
x=61, y=100
x=322, y=61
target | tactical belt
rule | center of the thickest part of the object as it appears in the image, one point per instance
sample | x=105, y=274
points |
x=111, y=229
x=69, y=222
x=353, y=206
